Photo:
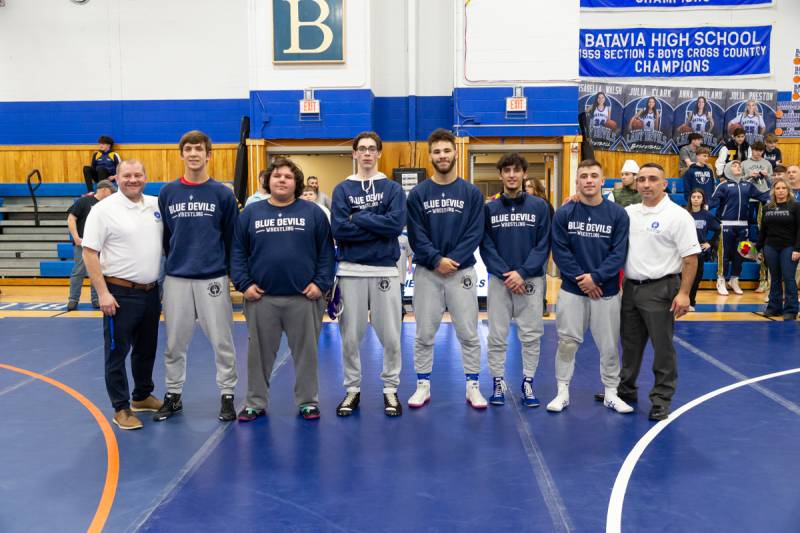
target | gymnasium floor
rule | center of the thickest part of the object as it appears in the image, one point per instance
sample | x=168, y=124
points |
x=727, y=460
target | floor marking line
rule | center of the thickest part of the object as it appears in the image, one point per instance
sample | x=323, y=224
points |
x=59, y=366
x=112, y=448
x=774, y=396
x=544, y=478
x=191, y=466
x=614, y=516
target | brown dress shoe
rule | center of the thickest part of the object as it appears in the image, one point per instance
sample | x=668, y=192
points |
x=151, y=404
x=127, y=420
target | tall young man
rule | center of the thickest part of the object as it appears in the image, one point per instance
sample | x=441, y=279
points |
x=445, y=227
x=367, y=218
x=199, y=220
x=515, y=247
x=122, y=251
x=282, y=291
x=590, y=242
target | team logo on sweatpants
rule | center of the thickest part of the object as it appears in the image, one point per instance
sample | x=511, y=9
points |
x=384, y=284
x=214, y=289
x=466, y=282
x=530, y=288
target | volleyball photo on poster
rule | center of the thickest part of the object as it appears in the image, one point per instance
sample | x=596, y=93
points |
x=754, y=112
x=699, y=111
x=602, y=108
x=648, y=120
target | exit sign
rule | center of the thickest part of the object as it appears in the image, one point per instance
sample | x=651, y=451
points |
x=516, y=104
x=309, y=107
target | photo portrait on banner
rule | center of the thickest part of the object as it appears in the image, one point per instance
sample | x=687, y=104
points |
x=648, y=120
x=700, y=111
x=601, y=106
x=753, y=111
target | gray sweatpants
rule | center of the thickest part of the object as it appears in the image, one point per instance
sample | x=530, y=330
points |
x=574, y=314
x=207, y=301
x=269, y=317
x=526, y=310
x=456, y=293
x=376, y=299
x=76, y=278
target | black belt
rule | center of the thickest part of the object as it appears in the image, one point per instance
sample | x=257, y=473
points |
x=646, y=281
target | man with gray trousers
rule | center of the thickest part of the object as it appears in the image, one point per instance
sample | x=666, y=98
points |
x=445, y=227
x=283, y=291
x=590, y=243
x=199, y=218
x=515, y=248
x=367, y=216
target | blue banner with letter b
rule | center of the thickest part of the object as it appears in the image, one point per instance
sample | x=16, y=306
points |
x=675, y=52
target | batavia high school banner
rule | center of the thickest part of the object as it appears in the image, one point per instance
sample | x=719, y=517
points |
x=611, y=4
x=710, y=51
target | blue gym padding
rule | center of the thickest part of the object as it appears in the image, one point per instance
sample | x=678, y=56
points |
x=63, y=189
x=727, y=465
x=66, y=250
x=55, y=269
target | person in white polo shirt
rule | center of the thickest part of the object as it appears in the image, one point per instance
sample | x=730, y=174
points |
x=122, y=252
x=659, y=271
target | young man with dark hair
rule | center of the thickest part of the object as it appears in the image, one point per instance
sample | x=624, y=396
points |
x=368, y=215
x=104, y=163
x=283, y=292
x=589, y=242
x=445, y=227
x=122, y=251
x=76, y=220
x=687, y=155
x=736, y=149
x=772, y=153
x=699, y=175
x=515, y=248
x=659, y=272
x=199, y=220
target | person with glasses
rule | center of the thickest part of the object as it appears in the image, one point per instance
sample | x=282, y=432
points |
x=368, y=215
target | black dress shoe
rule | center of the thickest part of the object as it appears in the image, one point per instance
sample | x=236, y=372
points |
x=627, y=398
x=659, y=412
x=789, y=317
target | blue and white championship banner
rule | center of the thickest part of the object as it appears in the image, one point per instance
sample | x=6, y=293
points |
x=710, y=51
x=661, y=4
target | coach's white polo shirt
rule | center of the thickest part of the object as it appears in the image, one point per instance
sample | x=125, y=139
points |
x=128, y=237
x=660, y=237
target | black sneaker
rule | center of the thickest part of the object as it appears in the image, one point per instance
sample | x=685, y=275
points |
x=72, y=305
x=391, y=405
x=172, y=405
x=248, y=414
x=227, y=412
x=310, y=412
x=348, y=404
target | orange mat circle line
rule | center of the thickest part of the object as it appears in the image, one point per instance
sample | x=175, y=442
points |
x=112, y=449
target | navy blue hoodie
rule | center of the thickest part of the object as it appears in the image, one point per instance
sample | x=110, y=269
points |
x=367, y=217
x=199, y=221
x=445, y=221
x=516, y=236
x=590, y=239
x=698, y=177
x=282, y=249
x=732, y=199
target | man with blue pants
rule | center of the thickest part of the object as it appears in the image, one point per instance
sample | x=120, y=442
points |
x=515, y=247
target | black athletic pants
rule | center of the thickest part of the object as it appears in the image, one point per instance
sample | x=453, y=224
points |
x=92, y=176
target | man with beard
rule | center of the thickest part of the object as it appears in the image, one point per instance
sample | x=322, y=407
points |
x=445, y=226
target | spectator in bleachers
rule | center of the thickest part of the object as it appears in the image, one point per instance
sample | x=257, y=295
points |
x=779, y=172
x=759, y=171
x=793, y=176
x=322, y=198
x=261, y=193
x=626, y=194
x=687, y=155
x=699, y=175
x=704, y=222
x=772, y=153
x=736, y=149
x=779, y=241
x=104, y=163
x=76, y=220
